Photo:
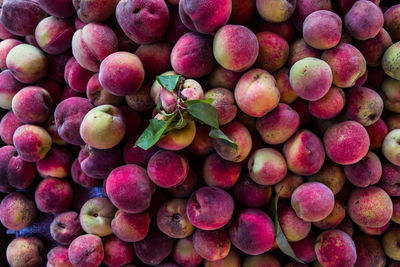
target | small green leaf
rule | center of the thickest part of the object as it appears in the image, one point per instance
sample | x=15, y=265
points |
x=195, y=101
x=153, y=133
x=280, y=237
x=204, y=113
x=169, y=82
x=218, y=134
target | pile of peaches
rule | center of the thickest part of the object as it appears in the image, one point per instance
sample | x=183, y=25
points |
x=216, y=133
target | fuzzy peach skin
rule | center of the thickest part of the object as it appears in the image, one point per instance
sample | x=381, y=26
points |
x=209, y=208
x=56, y=164
x=369, y=252
x=312, y=201
x=92, y=11
x=219, y=172
x=299, y=49
x=54, y=35
x=57, y=8
x=392, y=18
x=239, y=134
x=256, y=93
x=92, y=44
x=310, y=78
x=279, y=125
x=370, y=15
x=129, y=188
x=25, y=251
x=98, y=95
x=389, y=243
x=53, y=195
x=287, y=95
x=275, y=10
x=179, y=139
x=273, y=51
x=200, y=15
x=390, y=147
x=304, y=249
x=86, y=251
x=222, y=78
x=155, y=58
x=235, y=47
x=340, y=137
x=130, y=227
x=5, y=47
x=76, y=76
x=390, y=179
x=390, y=94
x=8, y=124
x=17, y=211
x=304, y=153
x=27, y=63
x=294, y=228
x=20, y=17
x=184, y=253
x=390, y=61
x=329, y=106
x=373, y=230
x=186, y=188
x=141, y=100
x=212, y=245
x=98, y=163
x=252, y=232
x=367, y=171
x=9, y=87
x=224, y=102
x=121, y=73
x=370, y=207
x=335, y=248
x=58, y=257
x=347, y=64
x=377, y=133
x=286, y=187
x=116, y=252
x=305, y=8
x=331, y=175
x=65, y=227
x=251, y=194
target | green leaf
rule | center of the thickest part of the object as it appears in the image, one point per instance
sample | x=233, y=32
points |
x=218, y=134
x=169, y=82
x=195, y=101
x=280, y=237
x=153, y=133
x=204, y=113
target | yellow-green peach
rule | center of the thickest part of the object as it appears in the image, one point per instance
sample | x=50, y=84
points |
x=390, y=242
x=276, y=10
x=390, y=146
x=179, y=139
x=184, y=253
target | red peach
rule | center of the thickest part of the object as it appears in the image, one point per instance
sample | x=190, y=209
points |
x=305, y=8
x=186, y=188
x=329, y=106
x=17, y=211
x=5, y=47
x=212, y=245
x=92, y=11
x=65, y=227
x=58, y=8
x=53, y=195
x=274, y=51
x=76, y=76
x=8, y=124
x=224, y=102
x=377, y=132
x=130, y=227
x=331, y=175
x=58, y=257
x=366, y=172
x=86, y=251
x=185, y=254
x=299, y=49
x=155, y=58
x=369, y=252
x=219, y=172
x=294, y=228
x=116, y=252
x=223, y=78
x=56, y=164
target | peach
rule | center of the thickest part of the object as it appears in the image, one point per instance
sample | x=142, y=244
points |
x=391, y=17
x=98, y=95
x=396, y=210
x=137, y=155
x=212, y=245
x=335, y=248
x=304, y=153
x=65, y=227
x=5, y=47
x=190, y=48
x=267, y=166
x=156, y=88
x=155, y=58
x=121, y=73
x=154, y=248
x=8, y=124
x=340, y=137
x=263, y=260
x=278, y=125
x=116, y=252
x=390, y=61
x=58, y=8
x=390, y=93
x=17, y=211
x=58, y=257
x=54, y=35
x=389, y=146
x=305, y=8
x=27, y=63
x=124, y=43
x=184, y=253
x=235, y=47
x=294, y=228
x=285, y=29
x=54, y=89
x=143, y=21
x=96, y=215
x=103, y=127
x=224, y=102
x=366, y=172
x=68, y=117
x=299, y=49
x=390, y=179
x=252, y=232
x=256, y=93
x=374, y=230
x=370, y=15
x=92, y=11
x=376, y=132
x=331, y=175
x=129, y=188
x=329, y=106
x=172, y=219
x=369, y=252
x=333, y=219
x=364, y=105
x=92, y=44
x=393, y=122
x=370, y=207
x=179, y=139
x=176, y=27
x=209, y=208
x=312, y=201
x=130, y=227
x=219, y=172
x=53, y=195
x=310, y=78
x=98, y=163
x=390, y=243
x=186, y=188
x=273, y=51
x=322, y=29
x=200, y=16
x=202, y=142
x=231, y=260
x=347, y=64
x=31, y=142
x=86, y=251
x=275, y=10
x=21, y=17
x=286, y=187
x=25, y=251
x=304, y=249
x=141, y=100
x=76, y=76
x=56, y=164
x=223, y=78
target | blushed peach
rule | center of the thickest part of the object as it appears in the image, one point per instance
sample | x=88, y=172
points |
x=305, y=8
x=141, y=100
x=329, y=106
x=186, y=188
x=286, y=187
x=58, y=257
x=130, y=227
x=25, y=251
x=155, y=58
x=304, y=249
x=86, y=251
x=333, y=219
x=98, y=163
x=124, y=43
x=374, y=230
x=219, y=172
x=377, y=132
x=8, y=124
x=17, y=211
x=267, y=166
x=273, y=52
x=179, y=139
x=223, y=78
x=212, y=245
x=235, y=47
x=58, y=8
x=137, y=155
x=294, y=228
x=224, y=102
x=98, y=95
x=390, y=94
x=156, y=88
x=287, y=95
x=57, y=66
x=369, y=252
x=5, y=47
x=367, y=171
x=185, y=254
x=176, y=27
x=92, y=11
x=331, y=175
x=231, y=260
x=275, y=10
x=56, y=164
x=391, y=18
x=65, y=227
x=53, y=195
x=31, y=142
x=76, y=76
x=134, y=119
x=116, y=252
x=285, y=29
x=202, y=142
x=299, y=49
x=390, y=179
